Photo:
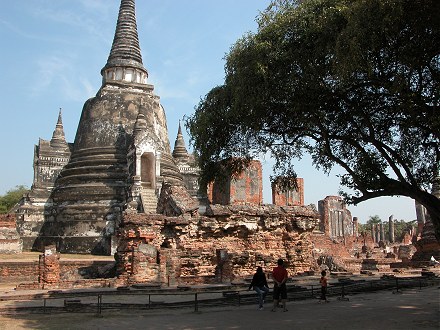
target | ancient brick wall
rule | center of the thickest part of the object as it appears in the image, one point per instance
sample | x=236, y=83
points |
x=330, y=252
x=25, y=271
x=187, y=248
x=18, y=271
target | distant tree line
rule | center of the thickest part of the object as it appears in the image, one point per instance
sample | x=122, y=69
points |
x=12, y=197
x=400, y=227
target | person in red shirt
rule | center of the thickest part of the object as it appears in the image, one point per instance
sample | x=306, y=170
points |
x=279, y=275
x=323, y=282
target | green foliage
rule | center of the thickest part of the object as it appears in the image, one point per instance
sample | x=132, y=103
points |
x=11, y=198
x=353, y=83
x=374, y=219
x=401, y=227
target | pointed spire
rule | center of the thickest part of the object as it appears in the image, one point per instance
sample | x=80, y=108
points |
x=125, y=60
x=179, y=146
x=58, y=138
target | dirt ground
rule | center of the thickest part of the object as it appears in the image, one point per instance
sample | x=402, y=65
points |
x=411, y=309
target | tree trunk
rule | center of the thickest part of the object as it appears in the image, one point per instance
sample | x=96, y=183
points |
x=432, y=205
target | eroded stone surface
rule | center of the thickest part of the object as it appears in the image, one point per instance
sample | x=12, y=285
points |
x=224, y=244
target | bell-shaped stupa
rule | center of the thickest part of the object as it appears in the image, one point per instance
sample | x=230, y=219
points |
x=94, y=187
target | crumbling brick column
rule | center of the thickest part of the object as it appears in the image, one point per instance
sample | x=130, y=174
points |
x=49, y=266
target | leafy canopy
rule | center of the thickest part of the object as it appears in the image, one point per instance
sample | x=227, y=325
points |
x=353, y=83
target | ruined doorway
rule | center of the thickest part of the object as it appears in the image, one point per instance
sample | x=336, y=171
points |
x=148, y=170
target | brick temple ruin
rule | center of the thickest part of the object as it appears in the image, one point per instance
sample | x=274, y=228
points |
x=119, y=190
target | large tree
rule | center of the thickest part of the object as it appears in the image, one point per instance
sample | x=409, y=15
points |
x=354, y=83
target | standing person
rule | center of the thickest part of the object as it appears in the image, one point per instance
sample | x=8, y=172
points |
x=259, y=284
x=279, y=275
x=323, y=282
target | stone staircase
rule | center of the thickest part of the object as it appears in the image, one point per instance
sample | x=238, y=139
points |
x=149, y=200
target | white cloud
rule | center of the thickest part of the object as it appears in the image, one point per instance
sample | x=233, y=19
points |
x=194, y=78
x=16, y=30
x=58, y=74
x=91, y=19
x=49, y=69
x=104, y=7
x=89, y=88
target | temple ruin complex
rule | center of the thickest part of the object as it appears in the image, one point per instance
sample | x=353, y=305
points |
x=119, y=189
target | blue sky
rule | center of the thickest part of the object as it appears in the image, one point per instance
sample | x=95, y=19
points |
x=53, y=50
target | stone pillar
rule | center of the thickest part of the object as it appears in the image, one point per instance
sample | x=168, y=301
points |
x=355, y=227
x=342, y=216
x=333, y=224
x=378, y=233
x=382, y=232
x=391, y=228
x=373, y=232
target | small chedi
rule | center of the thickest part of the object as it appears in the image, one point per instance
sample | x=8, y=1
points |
x=119, y=190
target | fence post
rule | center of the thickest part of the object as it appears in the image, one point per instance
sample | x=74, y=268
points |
x=99, y=304
x=196, y=303
x=44, y=306
x=342, y=297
